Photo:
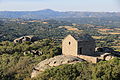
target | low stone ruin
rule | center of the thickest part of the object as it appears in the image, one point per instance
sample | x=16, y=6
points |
x=106, y=53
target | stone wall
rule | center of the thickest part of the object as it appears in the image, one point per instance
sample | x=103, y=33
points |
x=88, y=48
x=69, y=46
x=89, y=58
x=82, y=49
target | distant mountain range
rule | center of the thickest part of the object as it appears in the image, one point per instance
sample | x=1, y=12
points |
x=48, y=14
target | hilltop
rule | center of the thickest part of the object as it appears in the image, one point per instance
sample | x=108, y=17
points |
x=48, y=14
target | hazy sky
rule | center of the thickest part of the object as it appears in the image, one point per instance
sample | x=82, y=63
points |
x=61, y=5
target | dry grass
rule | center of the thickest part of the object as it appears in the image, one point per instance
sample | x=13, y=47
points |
x=34, y=21
x=117, y=28
x=102, y=41
x=114, y=32
x=109, y=32
x=71, y=28
x=98, y=37
x=104, y=30
x=116, y=47
x=23, y=23
x=45, y=22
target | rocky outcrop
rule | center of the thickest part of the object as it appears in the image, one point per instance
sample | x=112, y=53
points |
x=106, y=53
x=103, y=54
x=55, y=61
x=107, y=56
x=25, y=38
x=33, y=52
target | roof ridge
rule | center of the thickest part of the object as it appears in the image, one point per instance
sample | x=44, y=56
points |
x=82, y=37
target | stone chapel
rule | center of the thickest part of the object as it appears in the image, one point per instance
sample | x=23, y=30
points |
x=78, y=44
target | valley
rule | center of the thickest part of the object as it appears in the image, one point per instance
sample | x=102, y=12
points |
x=18, y=59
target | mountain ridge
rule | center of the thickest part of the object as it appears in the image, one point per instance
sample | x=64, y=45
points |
x=49, y=13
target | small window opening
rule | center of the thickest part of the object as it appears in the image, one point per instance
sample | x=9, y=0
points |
x=69, y=43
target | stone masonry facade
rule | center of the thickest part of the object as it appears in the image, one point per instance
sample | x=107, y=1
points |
x=82, y=48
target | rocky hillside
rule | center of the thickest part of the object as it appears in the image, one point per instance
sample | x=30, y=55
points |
x=52, y=62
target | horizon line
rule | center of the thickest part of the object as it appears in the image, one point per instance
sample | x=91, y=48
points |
x=55, y=10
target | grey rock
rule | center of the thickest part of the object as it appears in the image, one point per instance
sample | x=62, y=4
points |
x=52, y=62
x=25, y=38
x=107, y=56
x=34, y=52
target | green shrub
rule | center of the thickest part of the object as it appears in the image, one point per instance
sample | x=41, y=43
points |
x=107, y=70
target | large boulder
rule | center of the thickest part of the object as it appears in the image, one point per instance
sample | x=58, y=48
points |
x=107, y=56
x=33, y=52
x=25, y=38
x=55, y=61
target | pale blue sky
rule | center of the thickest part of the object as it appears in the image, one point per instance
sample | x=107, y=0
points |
x=61, y=5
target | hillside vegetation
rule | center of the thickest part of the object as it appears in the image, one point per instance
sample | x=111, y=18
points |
x=108, y=70
x=18, y=60
x=106, y=33
x=14, y=65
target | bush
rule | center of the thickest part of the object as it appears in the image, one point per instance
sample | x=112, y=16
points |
x=79, y=71
x=107, y=70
